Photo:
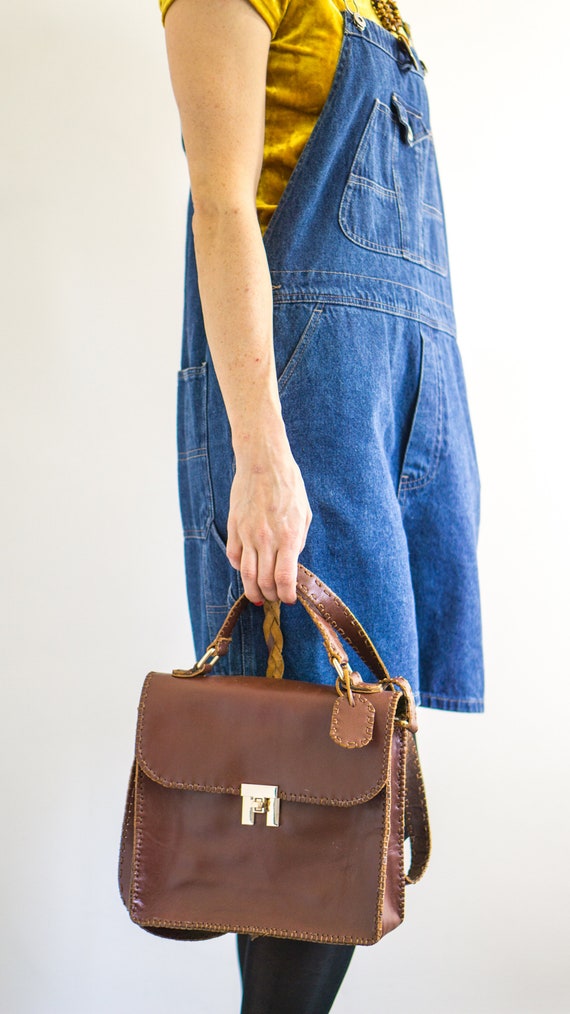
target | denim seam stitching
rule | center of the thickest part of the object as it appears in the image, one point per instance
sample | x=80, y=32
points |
x=368, y=244
x=407, y=484
x=199, y=374
x=373, y=42
x=300, y=347
x=396, y=311
x=364, y=181
x=449, y=700
x=285, y=198
x=355, y=274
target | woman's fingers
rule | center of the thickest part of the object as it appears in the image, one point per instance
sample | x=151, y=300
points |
x=268, y=572
x=286, y=575
x=266, y=569
x=268, y=521
x=234, y=548
x=268, y=578
x=265, y=539
x=249, y=569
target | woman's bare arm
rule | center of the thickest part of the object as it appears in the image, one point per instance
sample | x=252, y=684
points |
x=217, y=52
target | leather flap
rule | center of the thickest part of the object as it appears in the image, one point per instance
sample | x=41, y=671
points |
x=212, y=733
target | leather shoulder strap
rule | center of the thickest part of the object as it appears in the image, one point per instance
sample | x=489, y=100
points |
x=416, y=814
x=316, y=594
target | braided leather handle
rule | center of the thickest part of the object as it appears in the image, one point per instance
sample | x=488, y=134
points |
x=328, y=612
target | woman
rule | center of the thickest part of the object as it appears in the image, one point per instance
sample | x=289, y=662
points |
x=322, y=406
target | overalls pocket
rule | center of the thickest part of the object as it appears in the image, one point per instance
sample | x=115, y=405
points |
x=427, y=434
x=392, y=200
x=295, y=325
x=196, y=501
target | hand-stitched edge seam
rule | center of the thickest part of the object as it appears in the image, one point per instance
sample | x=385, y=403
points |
x=383, y=858
x=261, y=930
x=128, y=821
x=366, y=735
x=138, y=819
x=361, y=634
x=417, y=766
x=418, y=868
x=382, y=871
x=360, y=631
x=420, y=848
x=289, y=797
x=401, y=791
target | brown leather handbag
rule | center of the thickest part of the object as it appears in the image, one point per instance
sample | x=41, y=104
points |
x=275, y=807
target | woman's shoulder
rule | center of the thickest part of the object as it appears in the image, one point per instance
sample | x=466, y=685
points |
x=274, y=12
x=277, y=13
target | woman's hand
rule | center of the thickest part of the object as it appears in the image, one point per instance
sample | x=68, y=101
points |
x=268, y=520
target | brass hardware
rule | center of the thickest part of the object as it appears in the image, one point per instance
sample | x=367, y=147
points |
x=210, y=657
x=259, y=799
x=338, y=667
x=343, y=682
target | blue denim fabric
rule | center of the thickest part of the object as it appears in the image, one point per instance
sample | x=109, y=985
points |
x=372, y=391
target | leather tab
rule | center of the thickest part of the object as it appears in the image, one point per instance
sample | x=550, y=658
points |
x=352, y=726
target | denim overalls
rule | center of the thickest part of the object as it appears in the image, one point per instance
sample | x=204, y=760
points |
x=372, y=393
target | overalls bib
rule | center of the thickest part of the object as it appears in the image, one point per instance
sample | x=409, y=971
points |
x=372, y=393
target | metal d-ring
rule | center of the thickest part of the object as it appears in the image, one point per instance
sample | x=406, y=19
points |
x=343, y=680
x=210, y=657
x=359, y=21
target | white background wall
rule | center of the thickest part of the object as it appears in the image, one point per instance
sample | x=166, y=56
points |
x=93, y=194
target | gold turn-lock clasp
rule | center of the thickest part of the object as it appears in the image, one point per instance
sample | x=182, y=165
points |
x=259, y=799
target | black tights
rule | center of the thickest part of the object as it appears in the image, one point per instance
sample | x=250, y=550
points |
x=290, y=976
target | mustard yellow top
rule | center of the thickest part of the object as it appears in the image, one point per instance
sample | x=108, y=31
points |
x=306, y=39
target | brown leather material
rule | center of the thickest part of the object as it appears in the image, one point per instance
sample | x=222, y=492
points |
x=394, y=899
x=328, y=864
x=352, y=725
x=180, y=719
x=417, y=823
x=197, y=867
x=339, y=617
